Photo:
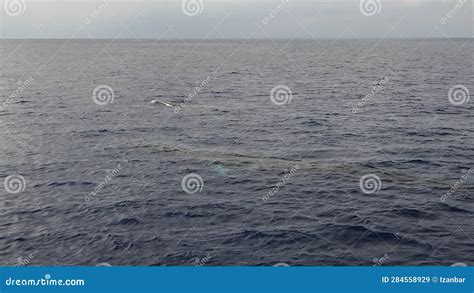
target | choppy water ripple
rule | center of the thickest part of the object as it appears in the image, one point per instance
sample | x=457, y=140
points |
x=223, y=171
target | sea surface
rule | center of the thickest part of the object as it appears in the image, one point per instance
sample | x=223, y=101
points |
x=227, y=174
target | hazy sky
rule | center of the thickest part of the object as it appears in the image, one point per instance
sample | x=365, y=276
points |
x=199, y=19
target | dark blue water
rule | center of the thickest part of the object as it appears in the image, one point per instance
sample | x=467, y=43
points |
x=102, y=181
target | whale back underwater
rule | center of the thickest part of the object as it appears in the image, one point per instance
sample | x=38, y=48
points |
x=260, y=161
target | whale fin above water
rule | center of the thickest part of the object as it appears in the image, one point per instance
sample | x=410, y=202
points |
x=162, y=103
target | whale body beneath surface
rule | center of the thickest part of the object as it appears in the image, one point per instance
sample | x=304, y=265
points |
x=256, y=160
x=161, y=103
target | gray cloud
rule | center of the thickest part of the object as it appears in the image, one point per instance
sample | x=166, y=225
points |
x=238, y=19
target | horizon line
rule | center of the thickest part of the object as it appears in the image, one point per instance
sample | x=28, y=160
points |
x=241, y=39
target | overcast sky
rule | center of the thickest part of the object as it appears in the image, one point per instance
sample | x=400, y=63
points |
x=203, y=19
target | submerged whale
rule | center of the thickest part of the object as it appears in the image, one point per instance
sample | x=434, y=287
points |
x=257, y=160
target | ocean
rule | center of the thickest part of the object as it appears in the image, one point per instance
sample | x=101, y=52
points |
x=237, y=152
